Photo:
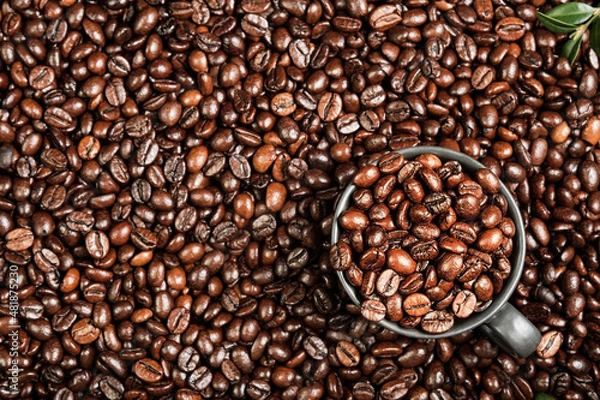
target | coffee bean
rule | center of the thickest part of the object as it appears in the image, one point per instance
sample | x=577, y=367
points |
x=111, y=387
x=550, y=344
x=200, y=378
x=255, y=25
x=411, y=284
x=19, y=239
x=437, y=322
x=347, y=353
x=468, y=207
x=340, y=256
x=464, y=304
x=366, y=176
x=417, y=305
x=591, y=131
x=388, y=283
x=329, y=107
x=437, y=203
x=301, y=52
x=482, y=77
x=354, y=219
x=97, y=244
x=148, y=370
x=490, y=239
x=188, y=359
x=450, y=266
x=84, y=332
x=510, y=29
x=283, y=104
x=373, y=310
x=138, y=126
x=394, y=389
x=401, y=262
x=57, y=118
x=315, y=347
x=170, y=175
x=373, y=96
x=385, y=17
x=41, y=77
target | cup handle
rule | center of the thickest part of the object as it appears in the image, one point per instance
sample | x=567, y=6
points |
x=512, y=331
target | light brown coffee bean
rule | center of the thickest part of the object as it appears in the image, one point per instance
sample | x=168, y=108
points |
x=97, y=244
x=510, y=29
x=417, y=305
x=550, y=344
x=84, y=332
x=450, y=266
x=347, y=354
x=387, y=283
x=464, y=304
x=489, y=240
x=591, y=130
x=366, y=176
x=385, y=17
x=401, y=262
x=283, y=104
x=437, y=322
x=148, y=370
x=19, y=239
x=373, y=310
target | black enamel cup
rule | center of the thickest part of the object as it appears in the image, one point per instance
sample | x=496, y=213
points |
x=501, y=322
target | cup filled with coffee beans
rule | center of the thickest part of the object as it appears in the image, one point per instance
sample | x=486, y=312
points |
x=429, y=243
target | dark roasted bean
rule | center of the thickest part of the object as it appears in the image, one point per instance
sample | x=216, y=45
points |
x=169, y=173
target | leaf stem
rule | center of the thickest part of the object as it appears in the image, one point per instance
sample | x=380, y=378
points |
x=580, y=31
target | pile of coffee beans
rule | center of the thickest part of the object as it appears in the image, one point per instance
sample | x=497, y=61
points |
x=424, y=241
x=168, y=176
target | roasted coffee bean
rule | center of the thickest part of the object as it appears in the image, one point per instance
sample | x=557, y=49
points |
x=97, y=244
x=482, y=77
x=315, y=347
x=385, y=17
x=437, y=321
x=417, y=305
x=450, y=266
x=169, y=174
x=510, y=29
x=341, y=256
x=329, y=107
x=347, y=353
x=148, y=370
x=84, y=332
x=373, y=310
x=283, y=104
x=550, y=344
x=57, y=118
x=437, y=203
x=464, y=304
x=401, y=262
x=19, y=239
x=367, y=176
x=388, y=283
x=41, y=77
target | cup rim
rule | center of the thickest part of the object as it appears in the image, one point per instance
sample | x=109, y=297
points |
x=517, y=258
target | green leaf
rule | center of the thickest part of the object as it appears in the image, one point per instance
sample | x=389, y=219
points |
x=572, y=13
x=554, y=24
x=571, y=49
x=543, y=396
x=595, y=37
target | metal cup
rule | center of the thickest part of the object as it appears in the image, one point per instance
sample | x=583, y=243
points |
x=501, y=322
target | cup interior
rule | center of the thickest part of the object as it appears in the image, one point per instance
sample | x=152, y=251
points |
x=517, y=257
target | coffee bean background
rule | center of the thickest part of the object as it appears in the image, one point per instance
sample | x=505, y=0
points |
x=170, y=170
